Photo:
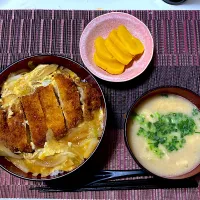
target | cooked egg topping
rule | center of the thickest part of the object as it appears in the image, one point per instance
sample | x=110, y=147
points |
x=65, y=154
x=56, y=155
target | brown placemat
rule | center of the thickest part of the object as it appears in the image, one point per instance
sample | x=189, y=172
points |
x=176, y=62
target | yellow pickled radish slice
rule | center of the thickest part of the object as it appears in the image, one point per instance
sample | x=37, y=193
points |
x=117, y=53
x=101, y=49
x=99, y=62
x=115, y=39
x=111, y=66
x=132, y=44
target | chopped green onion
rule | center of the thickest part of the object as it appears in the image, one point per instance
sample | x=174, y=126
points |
x=168, y=130
x=195, y=111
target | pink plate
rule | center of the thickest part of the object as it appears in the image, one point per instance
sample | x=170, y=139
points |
x=101, y=26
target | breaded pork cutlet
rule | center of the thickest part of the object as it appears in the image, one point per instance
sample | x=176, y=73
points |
x=52, y=111
x=90, y=98
x=69, y=100
x=17, y=128
x=5, y=136
x=36, y=118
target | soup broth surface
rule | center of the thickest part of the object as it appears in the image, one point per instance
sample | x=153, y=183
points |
x=177, y=152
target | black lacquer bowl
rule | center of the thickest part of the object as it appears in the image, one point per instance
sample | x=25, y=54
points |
x=183, y=92
x=84, y=74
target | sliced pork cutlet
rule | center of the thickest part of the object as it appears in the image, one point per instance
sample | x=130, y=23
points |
x=52, y=111
x=90, y=98
x=5, y=137
x=17, y=128
x=69, y=100
x=36, y=118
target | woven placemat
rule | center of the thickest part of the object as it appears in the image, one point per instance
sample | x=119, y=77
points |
x=176, y=62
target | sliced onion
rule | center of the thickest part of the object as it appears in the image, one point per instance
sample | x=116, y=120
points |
x=90, y=148
x=7, y=152
x=41, y=71
x=19, y=164
x=51, y=161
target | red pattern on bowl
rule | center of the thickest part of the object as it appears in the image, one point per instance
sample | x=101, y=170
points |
x=101, y=26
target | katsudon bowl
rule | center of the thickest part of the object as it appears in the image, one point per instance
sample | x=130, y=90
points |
x=85, y=76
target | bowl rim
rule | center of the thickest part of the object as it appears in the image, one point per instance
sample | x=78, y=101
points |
x=127, y=119
x=174, y=3
x=110, y=79
x=104, y=123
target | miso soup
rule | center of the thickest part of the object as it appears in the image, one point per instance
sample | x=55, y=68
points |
x=164, y=135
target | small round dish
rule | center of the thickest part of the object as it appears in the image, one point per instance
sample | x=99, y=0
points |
x=102, y=26
x=29, y=63
x=174, y=2
x=182, y=92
